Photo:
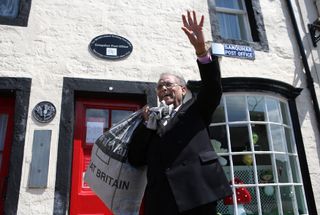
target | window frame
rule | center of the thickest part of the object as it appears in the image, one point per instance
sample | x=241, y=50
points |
x=243, y=12
x=255, y=23
x=23, y=15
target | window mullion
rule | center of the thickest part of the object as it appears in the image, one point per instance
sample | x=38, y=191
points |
x=229, y=10
x=255, y=170
x=273, y=160
x=234, y=197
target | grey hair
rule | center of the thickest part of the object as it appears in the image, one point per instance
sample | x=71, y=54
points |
x=180, y=80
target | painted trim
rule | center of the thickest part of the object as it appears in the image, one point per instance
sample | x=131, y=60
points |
x=73, y=87
x=20, y=89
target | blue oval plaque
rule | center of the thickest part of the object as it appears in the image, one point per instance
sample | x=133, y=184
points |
x=110, y=46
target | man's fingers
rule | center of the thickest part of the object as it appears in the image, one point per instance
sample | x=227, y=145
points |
x=194, y=17
x=184, y=20
x=189, y=18
x=201, y=21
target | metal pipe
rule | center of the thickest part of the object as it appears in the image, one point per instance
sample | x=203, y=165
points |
x=310, y=84
x=311, y=203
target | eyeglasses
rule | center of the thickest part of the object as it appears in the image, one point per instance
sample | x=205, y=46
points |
x=168, y=85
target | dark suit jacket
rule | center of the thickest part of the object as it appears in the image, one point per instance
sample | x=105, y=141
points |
x=183, y=169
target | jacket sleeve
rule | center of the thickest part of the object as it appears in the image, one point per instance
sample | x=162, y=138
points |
x=138, y=146
x=210, y=92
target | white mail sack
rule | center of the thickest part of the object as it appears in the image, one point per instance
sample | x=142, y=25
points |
x=119, y=185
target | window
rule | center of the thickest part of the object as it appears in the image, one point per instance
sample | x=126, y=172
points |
x=233, y=19
x=253, y=135
x=238, y=22
x=14, y=12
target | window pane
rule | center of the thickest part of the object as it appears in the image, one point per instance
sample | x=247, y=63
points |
x=287, y=197
x=118, y=115
x=229, y=26
x=9, y=8
x=268, y=200
x=295, y=169
x=282, y=166
x=264, y=168
x=218, y=115
x=260, y=138
x=232, y=4
x=273, y=110
x=239, y=137
x=96, y=123
x=302, y=208
x=219, y=139
x=236, y=106
x=284, y=112
x=256, y=108
x=243, y=168
x=290, y=144
x=277, y=138
x=249, y=206
x=3, y=129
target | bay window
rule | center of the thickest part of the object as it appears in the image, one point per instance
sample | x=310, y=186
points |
x=253, y=135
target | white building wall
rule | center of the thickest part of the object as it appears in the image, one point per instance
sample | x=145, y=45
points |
x=55, y=45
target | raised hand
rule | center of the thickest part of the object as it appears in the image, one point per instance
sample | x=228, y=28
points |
x=194, y=32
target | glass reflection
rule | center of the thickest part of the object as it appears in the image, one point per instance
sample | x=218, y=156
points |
x=302, y=208
x=264, y=168
x=284, y=113
x=239, y=137
x=233, y=4
x=290, y=144
x=96, y=124
x=256, y=108
x=294, y=169
x=218, y=115
x=236, y=106
x=243, y=168
x=260, y=137
x=268, y=200
x=273, y=110
x=287, y=198
x=282, y=166
x=246, y=201
x=277, y=138
x=118, y=115
x=219, y=141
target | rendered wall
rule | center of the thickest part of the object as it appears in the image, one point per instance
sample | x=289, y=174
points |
x=55, y=45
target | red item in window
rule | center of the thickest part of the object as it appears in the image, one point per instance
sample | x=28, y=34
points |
x=242, y=193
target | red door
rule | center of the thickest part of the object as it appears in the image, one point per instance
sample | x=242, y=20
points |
x=6, y=134
x=92, y=118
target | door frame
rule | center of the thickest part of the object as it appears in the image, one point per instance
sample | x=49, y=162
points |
x=19, y=88
x=73, y=88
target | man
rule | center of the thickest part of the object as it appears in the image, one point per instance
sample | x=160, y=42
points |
x=184, y=175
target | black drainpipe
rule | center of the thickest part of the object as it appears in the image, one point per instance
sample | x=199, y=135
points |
x=310, y=84
x=310, y=201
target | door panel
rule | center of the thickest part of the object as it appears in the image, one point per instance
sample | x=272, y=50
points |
x=6, y=135
x=93, y=117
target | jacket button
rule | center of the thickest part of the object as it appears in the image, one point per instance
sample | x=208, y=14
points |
x=184, y=163
x=168, y=169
